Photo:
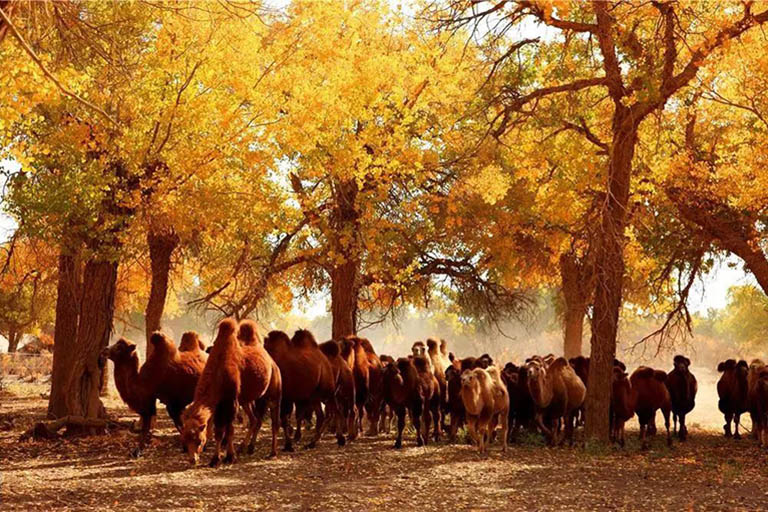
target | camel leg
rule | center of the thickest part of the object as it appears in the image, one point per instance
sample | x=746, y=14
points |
x=643, y=442
x=336, y=411
x=665, y=413
x=145, y=436
x=437, y=419
x=374, y=413
x=230, y=436
x=504, y=430
x=216, y=458
x=400, y=411
x=727, y=426
x=350, y=415
x=736, y=422
x=544, y=430
x=319, y=428
x=683, y=433
x=620, y=433
x=473, y=434
x=416, y=420
x=285, y=412
x=302, y=411
x=383, y=423
x=454, y=428
x=426, y=416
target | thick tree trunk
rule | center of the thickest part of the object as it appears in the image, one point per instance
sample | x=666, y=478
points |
x=574, y=329
x=13, y=341
x=345, y=276
x=344, y=299
x=94, y=331
x=577, y=281
x=609, y=276
x=65, y=331
x=161, y=247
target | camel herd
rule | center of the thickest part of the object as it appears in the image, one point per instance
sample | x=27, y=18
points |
x=341, y=384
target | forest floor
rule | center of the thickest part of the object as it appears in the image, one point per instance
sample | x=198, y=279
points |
x=707, y=472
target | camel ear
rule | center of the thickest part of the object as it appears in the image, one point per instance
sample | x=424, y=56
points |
x=687, y=362
x=721, y=366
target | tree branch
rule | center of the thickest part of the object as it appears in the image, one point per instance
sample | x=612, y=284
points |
x=7, y=25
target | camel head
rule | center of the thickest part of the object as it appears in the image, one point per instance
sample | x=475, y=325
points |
x=193, y=436
x=122, y=351
x=681, y=363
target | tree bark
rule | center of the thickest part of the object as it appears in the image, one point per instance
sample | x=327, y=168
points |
x=13, y=341
x=344, y=299
x=65, y=330
x=609, y=275
x=577, y=282
x=94, y=331
x=161, y=247
x=574, y=329
x=345, y=276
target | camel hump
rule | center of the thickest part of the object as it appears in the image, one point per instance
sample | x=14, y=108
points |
x=644, y=372
x=161, y=342
x=421, y=364
x=330, y=348
x=303, y=339
x=248, y=332
x=660, y=375
x=190, y=341
x=227, y=327
x=403, y=363
x=367, y=346
x=558, y=364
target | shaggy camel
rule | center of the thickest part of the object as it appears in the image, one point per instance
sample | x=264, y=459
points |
x=308, y=382
x=486, y=402
x=623, y=402
x=258, y=367
x=682, y=387
x=652, y=394
x=216, y=396
x=405, y=391
x=168, y=375
x=557, y=394
x=733, y=393
x=345, y=386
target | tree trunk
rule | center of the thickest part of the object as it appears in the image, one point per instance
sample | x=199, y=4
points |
x=161, y=247
x=345, y=276
x=577, y=280
x=65, y=331
x=94, y=331
x=344, y=299
x=13, y=341
x=609, y=275
x=574, y=329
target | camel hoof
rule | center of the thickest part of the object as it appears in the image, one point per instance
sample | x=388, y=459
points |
x=310, y=446
x=215, y=461
x=288, y=448
x=230, y=458
x=272, y=455
x=737, y=436
x=136, y=453
x=251, y=449
x=398, y=444
x=341, y=440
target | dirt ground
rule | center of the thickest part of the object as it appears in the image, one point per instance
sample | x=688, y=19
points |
x=707, y=472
